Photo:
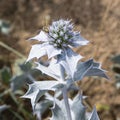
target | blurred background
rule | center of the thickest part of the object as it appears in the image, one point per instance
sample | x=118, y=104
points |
x=98, y=21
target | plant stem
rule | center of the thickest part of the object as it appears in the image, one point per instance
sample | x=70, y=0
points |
x=64, y=92
x=62, y=71
x=65, y=97
x=12, y=50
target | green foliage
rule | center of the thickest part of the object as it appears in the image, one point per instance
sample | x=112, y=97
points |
x=5, y=75
x=5, y=27
x=116, y=69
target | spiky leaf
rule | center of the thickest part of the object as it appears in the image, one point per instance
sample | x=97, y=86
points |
x=82, y=69
x=78, y=108
x=17, y=82
x=94, y=115
x=89, y=68
x=96, y=70
x=52, y=70
x=69, y=60
x=37, y=89
x=57, y=113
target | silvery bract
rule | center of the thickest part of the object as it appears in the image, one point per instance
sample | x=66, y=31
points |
x=38, y=89
x=59, y=39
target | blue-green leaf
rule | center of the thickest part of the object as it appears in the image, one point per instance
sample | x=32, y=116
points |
x=17, y=82
x=82, y=69
x=94, y=115
x=52, y=70
x=38, y=89
x=69, y=60
x=78, y=108
x=41, y=107
x=57, y=113
x=89, y=68
x=96, y=70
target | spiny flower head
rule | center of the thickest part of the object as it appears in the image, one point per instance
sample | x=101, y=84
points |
x=61, y=33
x=60, y=38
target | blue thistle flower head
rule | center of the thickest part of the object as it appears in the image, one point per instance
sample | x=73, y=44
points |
x=59, y=38
x=61, y=33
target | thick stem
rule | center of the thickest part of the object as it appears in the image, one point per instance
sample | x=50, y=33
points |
x=65, y=97
x=62, y=70
x=64, y=92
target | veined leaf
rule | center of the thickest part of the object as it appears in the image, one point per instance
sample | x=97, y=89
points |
x=96, y=70
x=52, y=70
x=57, y=113
x=78, y=108
x=82, y=69
x=38, y=89
x=41, y=107
x=17, y=82
x=89, y=68
x=69, y=60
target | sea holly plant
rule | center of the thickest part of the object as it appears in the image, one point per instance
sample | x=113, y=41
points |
x=65, y=67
